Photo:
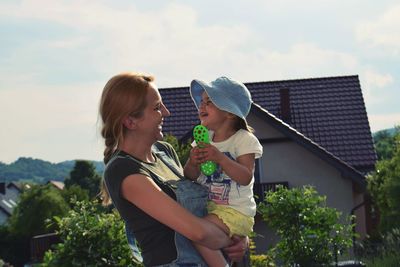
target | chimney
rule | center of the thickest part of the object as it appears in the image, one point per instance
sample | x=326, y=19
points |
x=2, y=188
x=285, y=104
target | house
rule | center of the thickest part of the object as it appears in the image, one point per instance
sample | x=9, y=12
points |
x=57, y=184
x=314, y=132
x=9, y=194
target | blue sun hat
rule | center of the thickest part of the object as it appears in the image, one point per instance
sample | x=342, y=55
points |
x=227, y=94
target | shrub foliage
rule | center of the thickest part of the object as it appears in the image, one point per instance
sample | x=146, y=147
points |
x=310, y=232
x=91, y=237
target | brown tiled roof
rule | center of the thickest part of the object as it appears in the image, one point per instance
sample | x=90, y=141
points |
x=330, y=111
x=57, y=184
x=345, y=169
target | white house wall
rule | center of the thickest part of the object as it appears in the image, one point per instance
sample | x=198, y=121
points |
x=262, y=130
x=287, y=161
x=360, y=214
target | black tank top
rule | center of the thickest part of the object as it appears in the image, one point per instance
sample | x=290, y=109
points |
x=155, y=240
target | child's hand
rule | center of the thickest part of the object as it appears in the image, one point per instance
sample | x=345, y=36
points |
x=195, y=156
x=209, y=152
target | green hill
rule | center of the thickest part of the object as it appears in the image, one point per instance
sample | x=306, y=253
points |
x=389, y=131
x=39, y=171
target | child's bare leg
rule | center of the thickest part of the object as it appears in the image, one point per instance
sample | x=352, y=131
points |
x=213, y=258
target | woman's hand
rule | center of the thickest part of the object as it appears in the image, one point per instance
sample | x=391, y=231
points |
x=236, y=251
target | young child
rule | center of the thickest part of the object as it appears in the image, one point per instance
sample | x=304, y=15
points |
x=223, y=106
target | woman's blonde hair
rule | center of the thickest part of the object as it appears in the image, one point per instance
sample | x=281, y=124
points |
x=123, y=95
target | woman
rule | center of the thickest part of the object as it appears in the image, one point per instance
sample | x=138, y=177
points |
x=141, y=182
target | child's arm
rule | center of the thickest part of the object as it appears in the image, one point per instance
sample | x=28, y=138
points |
x=192, y=166
x=240, y=170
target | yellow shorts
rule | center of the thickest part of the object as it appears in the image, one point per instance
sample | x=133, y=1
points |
x=237, y=222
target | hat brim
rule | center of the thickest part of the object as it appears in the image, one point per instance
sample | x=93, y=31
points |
x=197, y=88
x=223, y=97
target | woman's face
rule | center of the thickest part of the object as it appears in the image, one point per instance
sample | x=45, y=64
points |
x=150, y=124
x=210, y=115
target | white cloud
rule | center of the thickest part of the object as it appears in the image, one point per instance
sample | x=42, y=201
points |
x=382, y=32
x=173, y=45
x=50, y=123
x=167, y=41
x=377, y=80
x=68, y=42
x=172, y=42
x=307, y=60
x=48, y=107
x=74, y=13
x=374, y=85
x=383, y=121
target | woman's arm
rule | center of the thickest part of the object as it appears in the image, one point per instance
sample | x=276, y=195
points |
x=146, y=195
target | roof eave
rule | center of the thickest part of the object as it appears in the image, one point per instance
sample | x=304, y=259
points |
x=345, y=169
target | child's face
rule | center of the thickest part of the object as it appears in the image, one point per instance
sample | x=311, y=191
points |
x=210, y=115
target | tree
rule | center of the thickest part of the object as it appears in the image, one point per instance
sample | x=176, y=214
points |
x=74, y=193
x=84, y=174
x=310, y=234
x=37, y=205
x=182, y=149
x=90, y=237
x=14, y=248
x=384, y=187
x=385, y=144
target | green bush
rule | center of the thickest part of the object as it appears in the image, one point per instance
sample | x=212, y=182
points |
x=84, y=174
x=90, y=237
x=182, y=149
x=74, y=193
x=384, y=187
x=382, y=252
x=35, y=206
x=386, y=261
x=309, y=232
x=261, y=261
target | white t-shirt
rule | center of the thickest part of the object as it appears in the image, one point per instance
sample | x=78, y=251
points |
x=222, y=189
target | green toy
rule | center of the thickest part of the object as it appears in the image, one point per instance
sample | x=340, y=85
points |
x=200, y=134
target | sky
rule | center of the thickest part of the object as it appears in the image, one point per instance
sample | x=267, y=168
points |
x=56, y=56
